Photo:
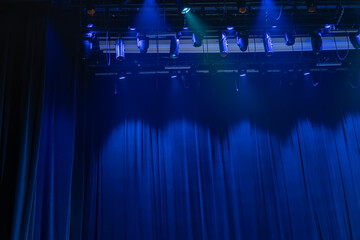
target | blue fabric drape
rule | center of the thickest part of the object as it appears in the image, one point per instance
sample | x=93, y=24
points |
x=181, y=175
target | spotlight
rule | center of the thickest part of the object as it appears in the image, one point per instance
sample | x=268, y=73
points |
x=87, y=47
x=306, y=73
x=242, y=73
x=197, y=39
x=122, y=77
x=242, y=41
x=268, y=45
x=223, y=44
x=230, y=28
x=355, y=40
x=289, y=38
x=90, y=25
x=242, y=7
x=183, y=7
x=185, y=10
x=173, y=75
x=174, y=46
x=120, y=50
x=311, y=6
x=142, y=43
x=90, y=9
x=316, y=42
x=132, y=28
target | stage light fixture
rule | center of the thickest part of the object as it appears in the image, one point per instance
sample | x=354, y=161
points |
x=197, y=38
x=355, y=40
x=142, y=43
x=242, y=41
x=185, y=10
x=87, y=47
x=120, y=50
x=174, y=46
x=316, y=42
x=223, y=45
x=311, y=6
x=289, y=38
x=183, y=7
x=242, y=73
x=268, y=45
x=242, y=7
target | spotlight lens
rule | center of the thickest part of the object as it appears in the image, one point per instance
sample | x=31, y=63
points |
x=132, y=29
x=230, y=28
x=242, y=10
x=185, y=28
x=185, y=10
x=91, y=11
x=306, y=73
x=243, y=75
x=122, y=77
x=173, y=76
x=312, y=9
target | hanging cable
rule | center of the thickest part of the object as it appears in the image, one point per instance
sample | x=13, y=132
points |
x=280, y=13
x=107, y=43
x=337, y=50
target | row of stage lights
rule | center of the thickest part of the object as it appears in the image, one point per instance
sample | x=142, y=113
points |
x=242, y=41
x=243, y=7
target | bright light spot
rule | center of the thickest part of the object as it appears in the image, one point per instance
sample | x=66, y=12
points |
x=173, y=76
x=306, y=73
x=243, y=75
x=90, y=25
x=185, y=10
x=230, y=28
x=132, y=28
x=122, y=77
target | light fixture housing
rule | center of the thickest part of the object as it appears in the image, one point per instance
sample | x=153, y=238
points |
x=242, y=7
x=268, y=45
x=289, y=38
x=242, y=40
x=311, y=6
x=223, y=45
x=120, y=50
x=175, y=45
x=355, y=40
x=197, y=38
x=142, y=43
x=316, y=42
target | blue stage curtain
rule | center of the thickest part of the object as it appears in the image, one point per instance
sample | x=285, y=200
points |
x=37, y=121
x=177, y=176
